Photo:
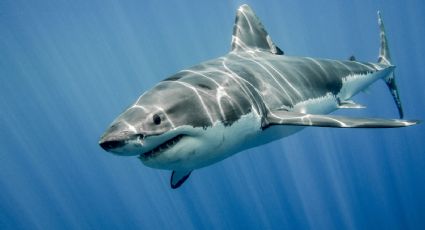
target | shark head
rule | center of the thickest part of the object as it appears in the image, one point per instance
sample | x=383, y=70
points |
x=164, y=127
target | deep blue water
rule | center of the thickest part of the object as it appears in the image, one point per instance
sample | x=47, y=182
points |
x=68, y=68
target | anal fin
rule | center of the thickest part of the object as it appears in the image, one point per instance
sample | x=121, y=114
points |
x=349, y=105
x=178, y=178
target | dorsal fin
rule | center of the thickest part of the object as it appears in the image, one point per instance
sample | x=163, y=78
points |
x=249, y=33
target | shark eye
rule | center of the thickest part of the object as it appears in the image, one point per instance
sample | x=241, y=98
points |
x=156, y=119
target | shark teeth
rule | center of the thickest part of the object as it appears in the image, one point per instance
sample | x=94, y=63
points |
x=162, y=147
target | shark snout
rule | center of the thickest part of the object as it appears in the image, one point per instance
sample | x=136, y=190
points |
x=118, y=137
x=121, y=145
x=112, y=140
x=109, y=145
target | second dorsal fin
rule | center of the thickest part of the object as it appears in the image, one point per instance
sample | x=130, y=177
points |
x=249, y=33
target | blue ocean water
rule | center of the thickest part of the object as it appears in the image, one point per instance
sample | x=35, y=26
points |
x=68, y=68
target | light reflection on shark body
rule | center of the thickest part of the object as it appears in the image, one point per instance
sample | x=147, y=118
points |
x=249, y=97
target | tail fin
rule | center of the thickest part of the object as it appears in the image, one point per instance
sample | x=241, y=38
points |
x=385, y=58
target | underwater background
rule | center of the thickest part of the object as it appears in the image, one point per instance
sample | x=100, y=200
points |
x=68, y=68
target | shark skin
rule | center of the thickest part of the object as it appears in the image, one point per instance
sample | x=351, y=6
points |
x=249, y=97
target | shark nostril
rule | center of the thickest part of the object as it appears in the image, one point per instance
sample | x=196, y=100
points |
x=108, y=145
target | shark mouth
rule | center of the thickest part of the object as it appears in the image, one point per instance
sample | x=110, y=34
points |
x=162, y=147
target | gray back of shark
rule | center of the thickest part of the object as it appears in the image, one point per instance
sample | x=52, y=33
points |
x=208, y=112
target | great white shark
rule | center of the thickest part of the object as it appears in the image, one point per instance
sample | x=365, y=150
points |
x=249, y=97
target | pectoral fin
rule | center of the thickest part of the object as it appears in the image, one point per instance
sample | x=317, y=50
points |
x=302, y=119
x=178, y=178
